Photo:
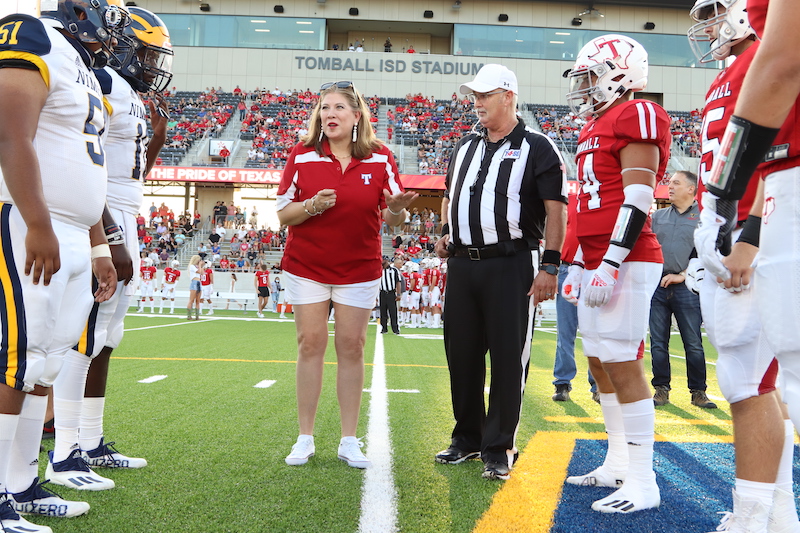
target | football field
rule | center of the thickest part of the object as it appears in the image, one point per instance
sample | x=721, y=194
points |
x=211, y=405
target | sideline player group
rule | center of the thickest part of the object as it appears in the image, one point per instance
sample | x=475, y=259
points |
x=73, y=82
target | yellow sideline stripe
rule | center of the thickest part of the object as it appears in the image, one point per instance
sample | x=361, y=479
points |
x=659, y=420
x=215, y=360
x=528, y=500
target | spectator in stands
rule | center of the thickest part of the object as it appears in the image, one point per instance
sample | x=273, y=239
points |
x=202, y=251
x=224, y=153
x=387, y=45
x=411, y=49
x=337, y=149
x=351, y=48
x=335, y=46
x=242, y=107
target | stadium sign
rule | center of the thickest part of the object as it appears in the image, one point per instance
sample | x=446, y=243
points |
x=418, y=66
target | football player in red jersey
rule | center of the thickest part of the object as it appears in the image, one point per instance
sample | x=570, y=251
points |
x=207, y=283
x=622, y=153
x=434, y=278
x=171, y=276
x=262, y=287
x=746, y=366
x=148, y=284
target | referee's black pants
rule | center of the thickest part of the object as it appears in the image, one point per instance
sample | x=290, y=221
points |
x=388, y=304
x=488, y=309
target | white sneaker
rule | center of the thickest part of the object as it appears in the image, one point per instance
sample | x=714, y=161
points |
x=350, y=452
x=783, y=514
x=599, y=477
x=629, y=499
x=747, y=516
x=36, y=500
x=11, y=522
x=105, y=455
x=260, y=315
x=73, y=472
x=301, y=451
x=210, y=312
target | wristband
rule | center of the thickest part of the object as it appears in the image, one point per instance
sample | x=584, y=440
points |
x=551, y=257
x=101, y=250
x=751, y=231
x=392, y=212
x=114, y=234
x=446, y=228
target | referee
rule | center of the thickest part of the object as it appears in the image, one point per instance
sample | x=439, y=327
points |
x=391, y=289
x=506, y=190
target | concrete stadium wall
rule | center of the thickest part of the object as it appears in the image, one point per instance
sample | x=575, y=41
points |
x=396, y=74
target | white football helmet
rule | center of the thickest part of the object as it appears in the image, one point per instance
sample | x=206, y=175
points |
x=434, y=262
x=607, y=67
x=176, y=264
x=732, y=26
x=413, y=267
x=147, y=262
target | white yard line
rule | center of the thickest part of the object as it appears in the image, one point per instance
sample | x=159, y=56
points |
x=378, y=494
x=152, y=379
x=267, y=383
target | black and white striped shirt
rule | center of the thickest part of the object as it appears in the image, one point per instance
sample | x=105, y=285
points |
x=390, y=277
x=497, y=190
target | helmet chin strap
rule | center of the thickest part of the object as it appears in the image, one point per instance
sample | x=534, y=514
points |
x=99, y=58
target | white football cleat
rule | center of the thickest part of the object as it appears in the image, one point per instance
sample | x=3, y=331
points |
x=37, y=500
x=73, y=472
x=630, y=499
x=11, y=522
x=599, y=477
x=105, y=455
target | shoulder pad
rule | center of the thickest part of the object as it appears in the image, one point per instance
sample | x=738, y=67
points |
x=23, y=33
x=105, y=79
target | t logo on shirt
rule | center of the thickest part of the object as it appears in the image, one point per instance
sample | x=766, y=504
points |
x=367, y=178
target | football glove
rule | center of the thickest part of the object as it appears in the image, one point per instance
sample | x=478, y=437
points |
x=706, y=236
x=598, y=293
x=571, y=288
x=695, y=273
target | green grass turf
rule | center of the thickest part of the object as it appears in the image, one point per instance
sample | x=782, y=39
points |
x=215, y=444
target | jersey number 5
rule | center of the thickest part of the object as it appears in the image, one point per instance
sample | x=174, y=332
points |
x=93, y=147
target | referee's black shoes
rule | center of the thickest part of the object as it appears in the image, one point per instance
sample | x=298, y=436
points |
x=495, y=470
x=453, y=456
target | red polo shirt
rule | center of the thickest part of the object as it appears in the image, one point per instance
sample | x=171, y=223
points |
x=314, y=248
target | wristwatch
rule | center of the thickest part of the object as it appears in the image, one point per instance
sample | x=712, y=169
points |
x=549, y=268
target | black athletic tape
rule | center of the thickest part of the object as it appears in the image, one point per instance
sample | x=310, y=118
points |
x=729, y=210
x=551, y=257
x=630, y=222
x=751, y=231
x=446, y=229
x=742, y=149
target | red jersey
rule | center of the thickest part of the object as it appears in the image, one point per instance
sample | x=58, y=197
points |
x=406, y=280
x=785, y=151
x=434, y=275
x=720, y=101
x=224, y=264
x=413, y=250
x=206, y=276
x=416, y=281
x=442, y=281
x=263, y=278
x=313, y=248
x=171, y=275
x=148, y=273
x=424, y=239
x=601, y=193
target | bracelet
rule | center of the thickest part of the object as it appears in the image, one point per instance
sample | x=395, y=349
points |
x=392, y=212
x=101, y=250
x=316, y=211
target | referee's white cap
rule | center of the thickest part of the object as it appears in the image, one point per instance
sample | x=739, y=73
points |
x=491, y=77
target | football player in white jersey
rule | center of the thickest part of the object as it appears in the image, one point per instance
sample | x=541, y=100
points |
x=130, y=156
x=52, y=192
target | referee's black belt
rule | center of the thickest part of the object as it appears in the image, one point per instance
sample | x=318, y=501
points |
x=501, y=249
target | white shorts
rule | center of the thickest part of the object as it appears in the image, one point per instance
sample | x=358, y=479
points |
x=745, y=366
x=301, y=291
x=40, y=323
x=146, y=288
x=168, y=291
x=105, y=326
x=615, y=332
x=424, y=297
x=405, y=300
x=777, y=274
x=435, y=298
x=413, y=300
x=207, y=292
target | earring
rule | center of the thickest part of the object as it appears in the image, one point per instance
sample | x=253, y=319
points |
x=320, y=135
x=355, y=132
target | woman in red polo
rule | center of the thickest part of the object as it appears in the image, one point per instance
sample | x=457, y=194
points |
x=339, y=180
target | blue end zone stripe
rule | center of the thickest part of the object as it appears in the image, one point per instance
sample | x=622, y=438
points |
x=14, y=324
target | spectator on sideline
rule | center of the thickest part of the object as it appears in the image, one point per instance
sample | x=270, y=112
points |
x=261, y=282
x=493, y=283
x=195, y=267
x=339, y=150
x=674, y=227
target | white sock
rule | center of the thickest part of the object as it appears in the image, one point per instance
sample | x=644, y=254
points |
x=784, y=480
x=23, y=464
x=67, y=403
x=152, y=306
x=639, y=419
x=437, y=320
x=172, y=306
x=161, y=306
x=617, y=454
x=8, y=430
x=753, y=491
x=92, y=423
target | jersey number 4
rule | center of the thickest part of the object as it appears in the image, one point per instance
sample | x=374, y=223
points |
x=589, y=183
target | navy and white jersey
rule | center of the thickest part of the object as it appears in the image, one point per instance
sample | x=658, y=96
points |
x=497, y=190
x=67, y=142
x=125, y=141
